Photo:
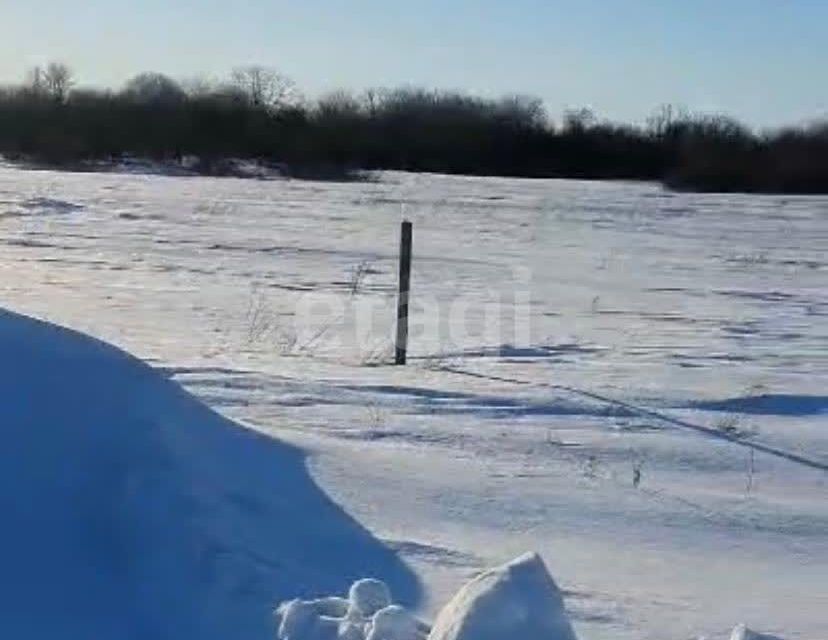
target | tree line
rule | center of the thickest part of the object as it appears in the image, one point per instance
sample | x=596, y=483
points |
x=257, y=113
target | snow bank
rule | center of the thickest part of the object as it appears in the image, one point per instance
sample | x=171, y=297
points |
x=367, y=614
x=517, y=600
x=131, y=511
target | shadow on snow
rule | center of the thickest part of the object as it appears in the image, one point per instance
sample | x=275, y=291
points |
x=769, y=405
x=131, y=510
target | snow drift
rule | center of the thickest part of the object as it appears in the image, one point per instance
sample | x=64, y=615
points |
x=131, y=511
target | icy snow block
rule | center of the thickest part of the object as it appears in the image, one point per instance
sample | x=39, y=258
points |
x=741, y=632
x=369, y=596
x=517, y=600
x=395, y=623
x=306, y=620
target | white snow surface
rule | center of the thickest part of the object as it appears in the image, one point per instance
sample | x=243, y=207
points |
x=661, y=328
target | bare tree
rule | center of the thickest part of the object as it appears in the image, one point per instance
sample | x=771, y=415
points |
x=264, y=87
x=34, y=81
x=579, y=120
x=372, y=99
x=57, y=81
x=154, y=88
x=338, y=105
x=197, y=86
x=664, y=119
x=524, y=111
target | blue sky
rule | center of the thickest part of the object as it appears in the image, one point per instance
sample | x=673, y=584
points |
x=761, y=60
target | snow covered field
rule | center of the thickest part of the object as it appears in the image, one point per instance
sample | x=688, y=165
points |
x=632, y=382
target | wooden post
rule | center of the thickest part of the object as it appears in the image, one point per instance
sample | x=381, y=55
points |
x=405, y=288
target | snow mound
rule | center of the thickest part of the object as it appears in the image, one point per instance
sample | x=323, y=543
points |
x=132, y=511
x=741, y=632
x=517, y=600
x=366, y=615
